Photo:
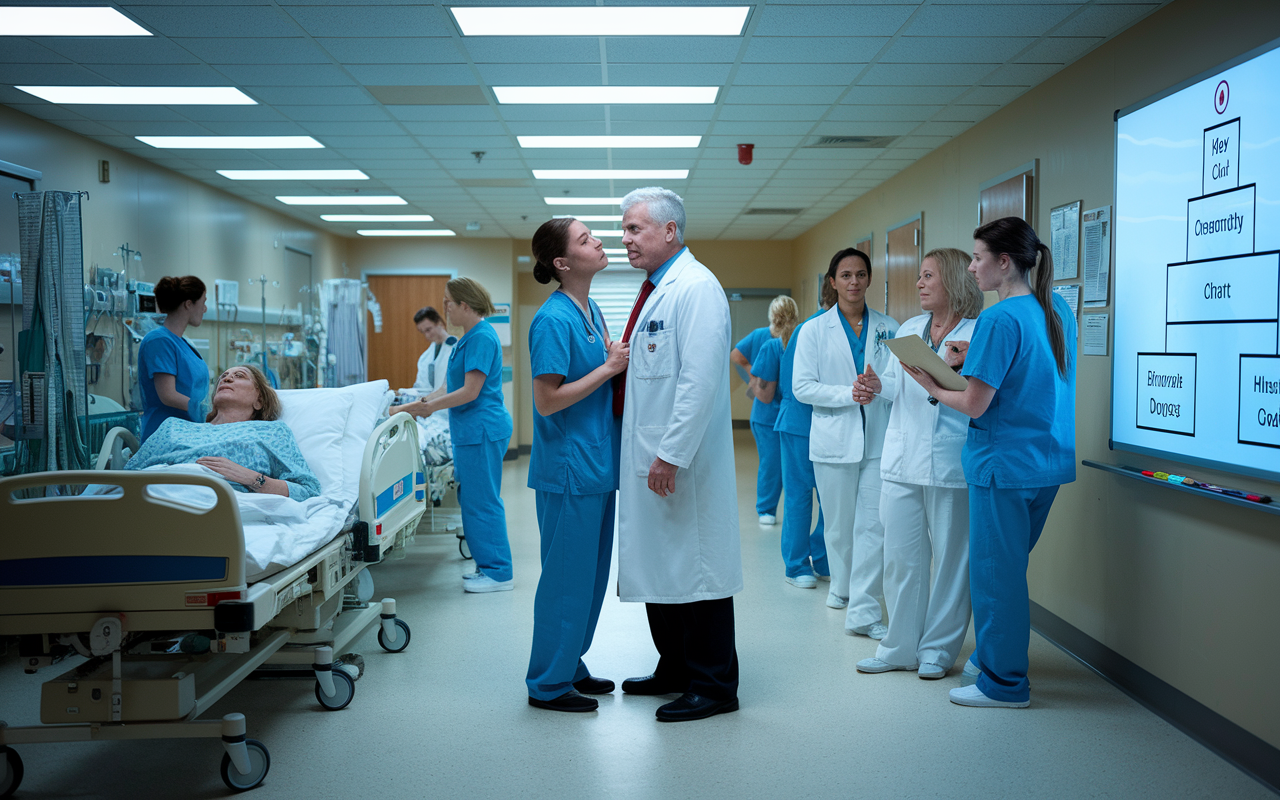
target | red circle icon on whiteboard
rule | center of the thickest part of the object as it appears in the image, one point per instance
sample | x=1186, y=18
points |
x=1221, y=96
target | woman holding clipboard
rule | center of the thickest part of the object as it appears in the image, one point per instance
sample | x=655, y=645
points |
x=1020, y=398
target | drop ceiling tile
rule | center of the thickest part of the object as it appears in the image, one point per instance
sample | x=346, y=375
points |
x=110, y=113
x=302, y=159
x=673, y=113
x=49, y=75
x=286, y=74
x=734, y=128
x=254, y=51
x=998, y=95
x=132, y=50
x=257, y=113
x=157, y=128
x=813, y=49
x=782, y=95
x=412, y=74
x=927, y=74
x=654, y=128
x=1059, y=50
x=45, y=111
x=954, y=49
x=310, y=95
x=359, y=154
x=532, y=128
x=664, y=74
x=25, y=51
x=87, y=127
x=339, y=141
x=762, y=143
x=966, y=113
x=797, y=74
x=827, y=20
x=756, y=112
x=899, y=95
x=1105, y=20
x=468, y=143
x=675, y=49
x=879, y=113
x=443, y=113
x=553, y=113
x=988, y=20
x=152, y=75
x=378, y=21
x=335, y=113
x=854, y=128
x=215, y=20
x=283, y=128
x=532, y=49
x=379, y=129
x=360, y=50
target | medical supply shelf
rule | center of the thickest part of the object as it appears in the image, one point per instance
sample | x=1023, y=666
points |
x=1136, y=474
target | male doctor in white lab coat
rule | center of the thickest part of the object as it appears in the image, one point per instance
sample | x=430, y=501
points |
x=678, y=547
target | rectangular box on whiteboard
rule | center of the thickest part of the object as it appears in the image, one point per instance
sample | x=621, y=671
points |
x=1260, y=400
x=1167, y=392
x=1221, y=224
x=1228, y=290
x=1221, y=157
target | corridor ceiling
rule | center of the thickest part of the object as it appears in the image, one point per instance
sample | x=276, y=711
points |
x=395, y=89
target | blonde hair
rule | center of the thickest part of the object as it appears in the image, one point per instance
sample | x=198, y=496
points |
x=827, y=297
x=963, y=295
x=466, y=290
x=267, y=396
x=784, y=315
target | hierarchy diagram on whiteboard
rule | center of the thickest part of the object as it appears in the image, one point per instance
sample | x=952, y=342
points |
x=1221, y=303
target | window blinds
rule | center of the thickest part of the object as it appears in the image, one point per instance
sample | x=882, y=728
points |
x=615, y=292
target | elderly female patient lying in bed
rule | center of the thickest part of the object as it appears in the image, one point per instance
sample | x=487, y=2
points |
x=241, y=440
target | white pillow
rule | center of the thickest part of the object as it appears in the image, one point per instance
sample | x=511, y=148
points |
x=368, y=403
x=318, y=419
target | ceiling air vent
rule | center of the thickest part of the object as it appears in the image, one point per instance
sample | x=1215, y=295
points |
x=872, y=142
x=772, y=212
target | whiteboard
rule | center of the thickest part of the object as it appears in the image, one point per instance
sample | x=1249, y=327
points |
x=1196, y=366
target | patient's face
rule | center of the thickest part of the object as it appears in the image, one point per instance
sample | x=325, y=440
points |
x=236, y=388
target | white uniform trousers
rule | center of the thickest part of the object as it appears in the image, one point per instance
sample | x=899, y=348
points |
x=928, y=618
x=855, y=536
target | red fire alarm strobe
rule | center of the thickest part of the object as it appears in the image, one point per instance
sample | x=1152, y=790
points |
x=744, y=153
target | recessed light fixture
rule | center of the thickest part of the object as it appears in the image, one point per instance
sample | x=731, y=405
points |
x=408, y=232
x=141, y=95
x=231, y=142
x=608, y=141
x=293, y=174
x=601, y=20
x=591, y=217
x=611, y=95
x=67, y=21
x=377, y=218
x=582, y=201
x=342, y=200
x=606, y=234
x=611, y=174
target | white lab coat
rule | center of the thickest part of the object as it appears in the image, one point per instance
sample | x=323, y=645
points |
x=432, y=365
x=685, y=547
x=823, y=377
x=922, y=443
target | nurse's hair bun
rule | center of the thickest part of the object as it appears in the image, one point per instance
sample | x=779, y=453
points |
x=549, y=243
x=543, y=273
x=173, y=292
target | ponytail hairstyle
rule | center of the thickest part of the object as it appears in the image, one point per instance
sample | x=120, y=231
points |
x=784, y=315
x=1015, y=238
x=469, y=291
x=171, y=292
x=550, y=242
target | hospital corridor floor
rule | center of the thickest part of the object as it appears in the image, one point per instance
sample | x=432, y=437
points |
x=448, y=718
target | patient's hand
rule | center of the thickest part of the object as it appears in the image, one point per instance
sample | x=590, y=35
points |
x=229, y=469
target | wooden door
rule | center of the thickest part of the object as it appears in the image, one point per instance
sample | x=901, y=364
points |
x=393, y=354
x=902, y=269
x=1011, y=198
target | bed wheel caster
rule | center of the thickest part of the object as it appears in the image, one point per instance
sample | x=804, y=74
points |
x=334, y=687
x=12, y=775
x=394, y=634
x=246, y=762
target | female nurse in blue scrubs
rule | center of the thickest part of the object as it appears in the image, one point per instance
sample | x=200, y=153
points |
x=573, y=467
x=481, y=430
x=769, y=475
x=1021, y=367
x=172, y=376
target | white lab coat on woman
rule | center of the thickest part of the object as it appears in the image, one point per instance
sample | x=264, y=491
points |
x=684, y=547
x=845, y=442
x=924, y=505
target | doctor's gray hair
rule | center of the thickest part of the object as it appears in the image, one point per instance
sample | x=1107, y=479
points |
x=664, y=206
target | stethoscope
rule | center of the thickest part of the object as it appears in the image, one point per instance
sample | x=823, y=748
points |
x=587, y=321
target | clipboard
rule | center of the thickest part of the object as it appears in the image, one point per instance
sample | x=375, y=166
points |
x=912, y=351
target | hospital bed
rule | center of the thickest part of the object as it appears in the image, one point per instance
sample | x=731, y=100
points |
x=165, y=600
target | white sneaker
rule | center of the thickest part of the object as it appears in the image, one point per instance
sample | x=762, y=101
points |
x=872, y=666
x=483, y=583
x=476, y=573
x=932, y=672
x=803, y=581
x=875, y=630
x=973, y=697
x=826, y=578
x=768, y=519
x=971, y=669
x=836, y=601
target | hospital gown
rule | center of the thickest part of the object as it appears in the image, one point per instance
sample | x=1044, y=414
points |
x=266, y=447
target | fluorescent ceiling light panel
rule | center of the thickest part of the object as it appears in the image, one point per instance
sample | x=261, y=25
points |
x=231, y=142
x=407, y=232
x=606, y=234
x=377, y=218
x=623, y=260
x=591, y=217
x=615, y=251
x=601, y=20
x=610, y=95
x=293, y=174
x=609, y=141
x=611, y=174
x=67, y=21
x=583, y=201
x=342, y=200
x=141, y=95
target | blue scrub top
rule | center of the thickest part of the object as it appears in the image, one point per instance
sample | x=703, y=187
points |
x=794, y=417
x=752, y=342
x=857, y=342
x=575, y=450
x=765, y=366
x=485, y=418
x=164, y=353
x=1027, y=437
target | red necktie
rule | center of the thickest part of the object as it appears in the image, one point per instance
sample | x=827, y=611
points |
x=620, y=380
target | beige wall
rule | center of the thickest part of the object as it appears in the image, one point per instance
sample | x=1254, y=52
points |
x=1184, y=587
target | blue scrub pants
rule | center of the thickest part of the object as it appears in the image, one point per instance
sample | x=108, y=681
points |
x=577, y=543
x=769, y=476
x=803, y=553
x=478, y=468
x=1004, y=524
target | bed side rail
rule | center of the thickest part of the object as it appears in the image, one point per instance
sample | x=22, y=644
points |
x=133, y=553
x=392, y=484
x=112, y=456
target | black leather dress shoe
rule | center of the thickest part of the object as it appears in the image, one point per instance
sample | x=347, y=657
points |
x=650, y=684
x=593, y=685
x=692, y=706
x=569, y=701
